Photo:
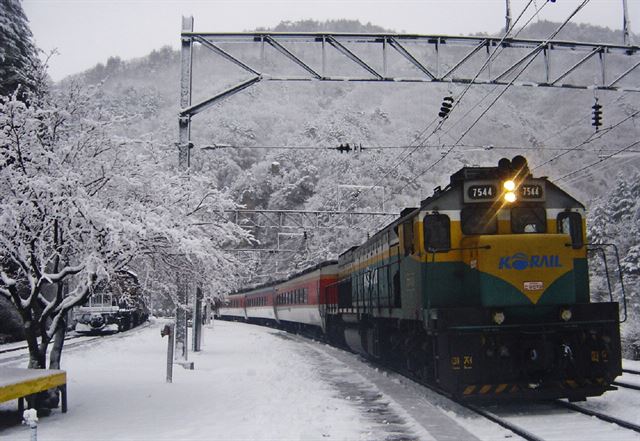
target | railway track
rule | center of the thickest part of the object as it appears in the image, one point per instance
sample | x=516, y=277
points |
x=526, y=433
x=507, y=423
x=21, y=348
x=80, y=340
x=624, y=384
x=530, y=435
x=599, y=415
x=541, y=408
x=518, y=430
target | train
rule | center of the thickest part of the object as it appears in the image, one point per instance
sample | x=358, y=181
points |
x=481, y=292
x=115, y=306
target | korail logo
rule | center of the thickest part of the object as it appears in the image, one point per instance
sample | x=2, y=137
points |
x=522, y=261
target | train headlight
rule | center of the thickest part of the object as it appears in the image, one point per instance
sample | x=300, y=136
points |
x=509, y=185
x=498, y=317
x=566, y=314
x=510, y=196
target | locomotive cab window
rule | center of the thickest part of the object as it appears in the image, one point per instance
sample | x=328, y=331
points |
x=528, y=220
x=437, y=232
x=571, y=223
x=479, y=220
x=407, y=236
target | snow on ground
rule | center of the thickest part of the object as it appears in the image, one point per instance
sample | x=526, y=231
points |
x=631, y=364
x=255, y=383
x=247, y=385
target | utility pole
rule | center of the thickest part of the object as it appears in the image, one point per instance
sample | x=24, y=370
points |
x=184, y=147
x=181, y=319
x=626, y=24
x=196, y=327
x=508, y=17
x=184, y=123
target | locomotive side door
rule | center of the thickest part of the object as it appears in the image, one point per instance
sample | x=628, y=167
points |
x=410, y=269
x=393, y=274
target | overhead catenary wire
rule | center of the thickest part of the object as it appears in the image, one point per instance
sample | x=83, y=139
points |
x=591, y=138
x=500, y=50
x=365, y=148
x=578, y=120
x=496, y=51
x=441, y=122
x=532, y=58
x=601, y=160
x=485, y=147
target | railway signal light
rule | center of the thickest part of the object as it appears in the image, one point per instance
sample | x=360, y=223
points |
x=447, y=104
x=597, y=115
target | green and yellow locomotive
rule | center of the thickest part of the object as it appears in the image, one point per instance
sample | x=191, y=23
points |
x=482, y=291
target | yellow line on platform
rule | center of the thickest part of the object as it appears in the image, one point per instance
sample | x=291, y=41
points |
x=32, y=385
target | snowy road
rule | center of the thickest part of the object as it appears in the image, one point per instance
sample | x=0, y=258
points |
x=254, y=383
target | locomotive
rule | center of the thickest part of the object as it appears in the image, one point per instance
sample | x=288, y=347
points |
x=115, y=306
x=482, y=292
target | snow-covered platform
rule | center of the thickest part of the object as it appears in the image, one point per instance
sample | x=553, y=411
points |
x=17, y=383
x=249, y=383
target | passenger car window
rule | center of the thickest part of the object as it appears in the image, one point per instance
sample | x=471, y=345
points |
x=528, y=220
x=571, y=223
x=479, y=220
x=437, y=232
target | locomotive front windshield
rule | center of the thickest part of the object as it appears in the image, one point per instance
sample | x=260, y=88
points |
x=528, y=220
x=479, y=220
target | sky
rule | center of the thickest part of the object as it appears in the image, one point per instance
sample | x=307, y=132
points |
x=87, y=32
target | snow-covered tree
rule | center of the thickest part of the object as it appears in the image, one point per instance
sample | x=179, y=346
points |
x=78, y=205
x=18, y=55
x=53, y=229
x=615, y=219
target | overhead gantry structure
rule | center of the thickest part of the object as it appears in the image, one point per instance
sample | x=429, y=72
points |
x=431, y=58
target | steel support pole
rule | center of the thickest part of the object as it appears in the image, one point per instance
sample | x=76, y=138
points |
x=184, y=146
x=169, y=331
x=181, y=319
x=196, y=337
x=507, y=17
x=626, y=24
x=184, y=122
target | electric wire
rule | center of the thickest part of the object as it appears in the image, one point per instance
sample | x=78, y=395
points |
x=592, y=137
x=575, y=122
x=486, y=147
x=532, y=58
x=441, y=122
x=496, y=51
x=501, y=49
x=601, y=160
